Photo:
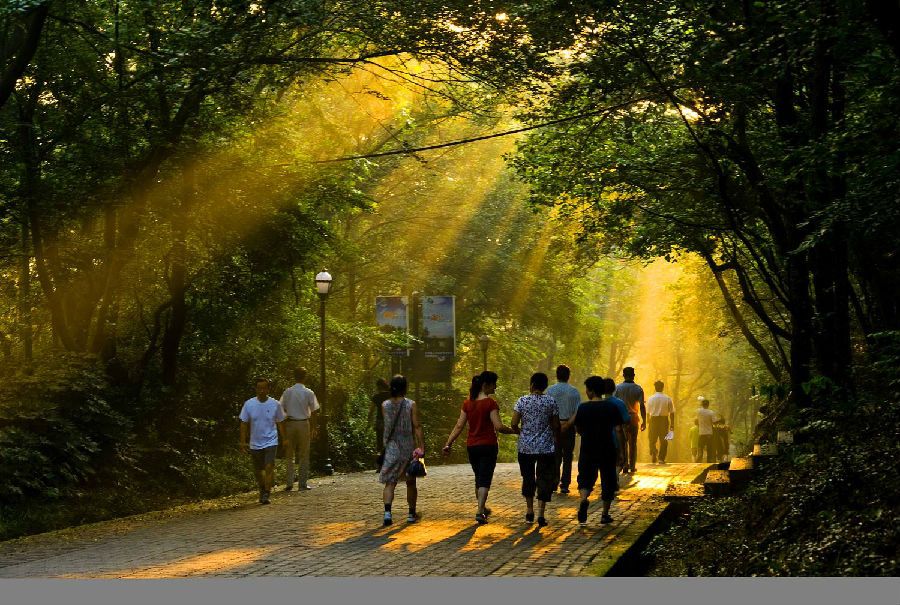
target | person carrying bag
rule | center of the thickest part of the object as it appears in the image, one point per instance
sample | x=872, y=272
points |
x=404, y=447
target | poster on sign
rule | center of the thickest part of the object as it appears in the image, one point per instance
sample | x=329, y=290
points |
x=439, y=327
x=392, y=314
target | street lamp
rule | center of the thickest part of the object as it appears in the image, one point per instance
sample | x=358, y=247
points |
x=323, y=287
x=485, y=340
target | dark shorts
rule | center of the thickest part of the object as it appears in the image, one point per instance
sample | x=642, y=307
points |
x=483, y=459
x=264, y=457
x=538, y=474
x=605, y=466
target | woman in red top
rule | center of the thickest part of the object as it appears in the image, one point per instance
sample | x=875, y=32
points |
x=482, y=414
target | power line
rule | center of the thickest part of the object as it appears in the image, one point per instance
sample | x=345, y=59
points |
x=411, y=150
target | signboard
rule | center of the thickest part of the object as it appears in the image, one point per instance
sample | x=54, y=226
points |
x=439, y=327
x=391, y=314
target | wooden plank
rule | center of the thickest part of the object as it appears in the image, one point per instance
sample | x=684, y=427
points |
x=717, y=476
x=679, y=491
x=765, y=449
x=740, y=472
x=717, y=483
x=741, y=464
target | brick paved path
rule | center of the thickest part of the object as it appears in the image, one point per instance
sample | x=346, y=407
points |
x=335, y=530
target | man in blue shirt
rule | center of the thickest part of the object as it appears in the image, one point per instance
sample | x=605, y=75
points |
x=567, y=398
x=618, y=432
x=261, y=424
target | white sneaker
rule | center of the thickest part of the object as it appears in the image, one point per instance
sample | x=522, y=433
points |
x=412, y=517
x=387, y=518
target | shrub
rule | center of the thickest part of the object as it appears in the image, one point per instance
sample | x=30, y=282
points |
x=57, y=428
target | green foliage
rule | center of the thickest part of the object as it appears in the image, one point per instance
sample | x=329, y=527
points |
x=756, y=136
x=162, y=215
x=203, y=477
x=58, y=428
x=827, y=507
x=886, y=360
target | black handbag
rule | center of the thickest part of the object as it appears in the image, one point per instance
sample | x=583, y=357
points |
x=416, y=468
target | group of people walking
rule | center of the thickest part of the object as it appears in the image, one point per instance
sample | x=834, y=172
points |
x=709, y=434
x=545, y=421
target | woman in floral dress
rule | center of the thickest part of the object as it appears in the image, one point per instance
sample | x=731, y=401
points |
x=403, y=442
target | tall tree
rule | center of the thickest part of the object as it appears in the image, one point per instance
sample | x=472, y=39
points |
x=733, y=130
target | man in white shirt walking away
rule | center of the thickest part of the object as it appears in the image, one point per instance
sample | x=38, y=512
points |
x=299, y=404
x=567, y=398
x=705, y=419
x=261, y=422
x=662, y=420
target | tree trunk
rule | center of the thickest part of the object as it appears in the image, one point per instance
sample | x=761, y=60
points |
x=30, y=191
x=104, y=339
x=24, y=296
x=801, y=327
x=829, y=256
x=177, y=281
x=832, y=301
x=25, y=45
x=611, y=365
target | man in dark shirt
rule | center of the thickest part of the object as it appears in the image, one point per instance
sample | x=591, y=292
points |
x=633, y=396
x=595, y=420
x=720, y=440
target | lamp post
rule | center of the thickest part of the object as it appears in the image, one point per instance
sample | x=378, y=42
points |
x=323, y=287
x=485, y=340
x=414, y=319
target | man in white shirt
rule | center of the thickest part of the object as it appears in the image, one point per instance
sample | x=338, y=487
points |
x=705, y=419
x=662, y=419
x=261, y=422
x=299, y=404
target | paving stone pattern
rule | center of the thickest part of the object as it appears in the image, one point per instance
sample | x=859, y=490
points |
x=335, y=530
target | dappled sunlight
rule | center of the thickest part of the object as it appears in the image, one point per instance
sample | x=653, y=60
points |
x=532, y=265
x=459, y=194
x=203, y=199
x=417, y=536
x=650, y=353
x=557, y=539
x=649, y=479
x=212, y=563
x=332, y=533
x=240, y=182
x=460, y=508
x=486, y=536
x=319, y=543
x=568, y=509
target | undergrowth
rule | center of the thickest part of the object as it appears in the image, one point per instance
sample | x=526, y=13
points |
x=828, y=505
